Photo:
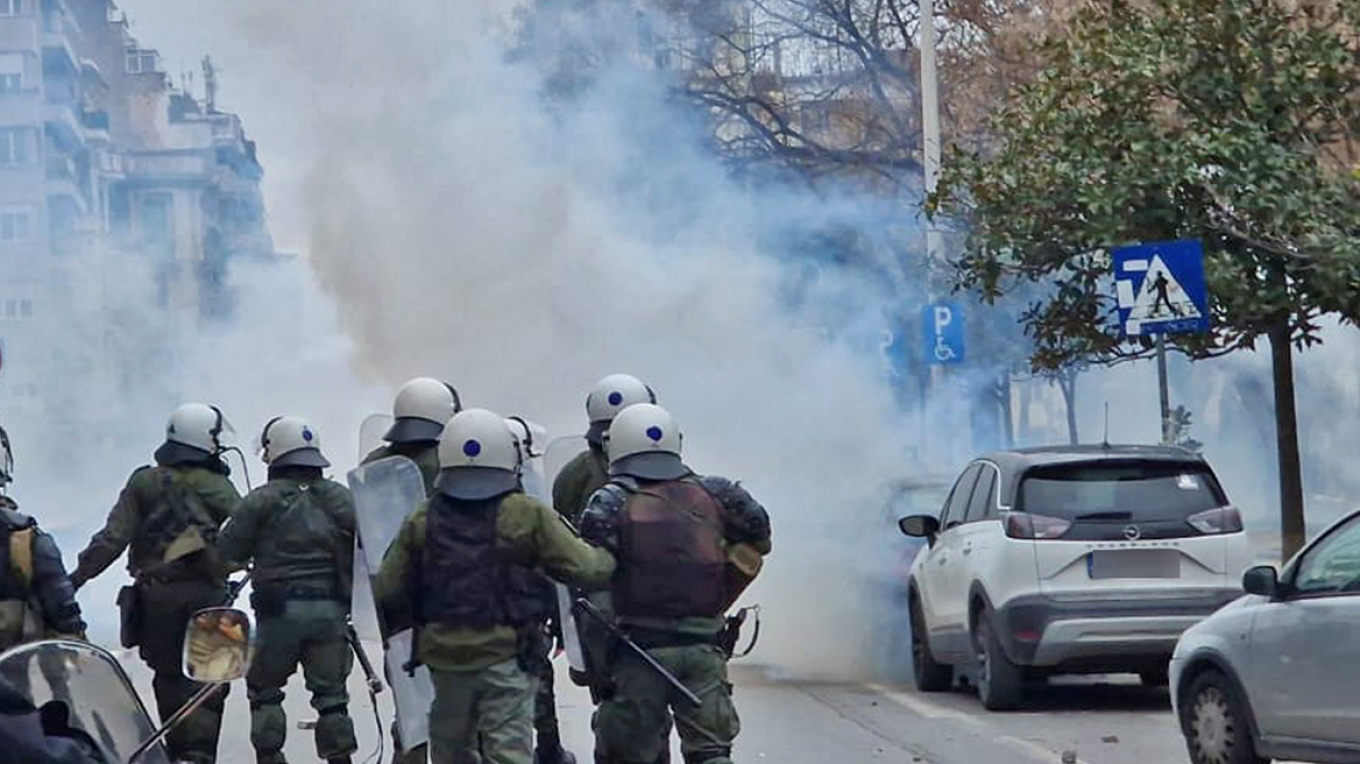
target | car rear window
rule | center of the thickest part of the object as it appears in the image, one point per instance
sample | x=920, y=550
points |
x=1146, y=490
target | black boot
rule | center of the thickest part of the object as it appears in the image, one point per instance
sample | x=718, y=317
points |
x=554, y=754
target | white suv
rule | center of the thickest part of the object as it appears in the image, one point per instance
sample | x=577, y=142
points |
x=1069, y=560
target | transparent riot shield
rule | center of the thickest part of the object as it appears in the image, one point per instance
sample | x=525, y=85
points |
x=549, y=465
x=95, y=690
x=537, y=486
x=385, y=492
x=558, y=453
x=371, y=433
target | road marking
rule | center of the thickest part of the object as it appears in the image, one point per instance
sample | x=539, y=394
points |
x=920, y=706
x=1031, y=748
x=931, y=710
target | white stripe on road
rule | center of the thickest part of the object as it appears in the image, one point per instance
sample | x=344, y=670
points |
x=931, y=710
x=920, y=706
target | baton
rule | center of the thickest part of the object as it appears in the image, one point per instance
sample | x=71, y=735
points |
x=375, y=685
x=600, y=618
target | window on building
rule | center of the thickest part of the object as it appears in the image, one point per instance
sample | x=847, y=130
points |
x=16, y=309
x=15, y=226
x=11, y=71
x=141, y=61
x=11, y=7
x=156, y=224
x=14, y=148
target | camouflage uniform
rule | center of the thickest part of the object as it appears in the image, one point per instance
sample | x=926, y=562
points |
x=630, y=727
x=579, y=479
x=483, y=694
x=299, y=530
x=169, y=515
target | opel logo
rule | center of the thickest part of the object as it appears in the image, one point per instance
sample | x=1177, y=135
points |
x=1133, y=533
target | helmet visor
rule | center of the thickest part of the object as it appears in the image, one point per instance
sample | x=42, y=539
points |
x=226, y=435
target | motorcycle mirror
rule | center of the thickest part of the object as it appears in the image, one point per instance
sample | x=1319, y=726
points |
x=217, y=645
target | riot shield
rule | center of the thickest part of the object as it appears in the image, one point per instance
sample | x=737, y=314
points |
x=558, y=453
x=385, y=492
x=536, y=485
x=94, y=688
x=555, y=457
x=371, y=433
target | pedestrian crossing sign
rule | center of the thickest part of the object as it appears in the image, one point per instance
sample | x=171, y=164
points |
x=1160, y=288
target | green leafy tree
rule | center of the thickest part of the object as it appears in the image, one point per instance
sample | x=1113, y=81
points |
x=1228, y=121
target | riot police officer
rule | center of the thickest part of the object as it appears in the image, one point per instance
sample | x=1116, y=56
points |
x=298, y=531
x=37, y=599
x=586, y=473
x=461, y=568
x=670, y=531
x=422, y=408
x=169, y=514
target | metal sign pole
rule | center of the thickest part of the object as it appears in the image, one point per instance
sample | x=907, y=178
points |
x=1164, y=390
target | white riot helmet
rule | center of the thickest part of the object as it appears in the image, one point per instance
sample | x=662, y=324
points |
x=288, y=441
x=478, y=457
x=6, y=460
x=611, y=395
x=422, y=408
x=195, y=431
x=644, y=442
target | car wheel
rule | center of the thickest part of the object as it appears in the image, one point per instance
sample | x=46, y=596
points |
x=929, y=675
x=1215, y=724
x=999, y=681
x=1155, y=677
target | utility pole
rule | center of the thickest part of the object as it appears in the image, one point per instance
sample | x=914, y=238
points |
x=930, y=123
x=930, y=156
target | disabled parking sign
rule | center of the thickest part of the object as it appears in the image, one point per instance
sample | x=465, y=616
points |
x=1160, y=288
x=943, y=333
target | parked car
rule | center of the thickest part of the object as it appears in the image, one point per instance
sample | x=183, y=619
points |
x=1069, y=560
x=1276, y=674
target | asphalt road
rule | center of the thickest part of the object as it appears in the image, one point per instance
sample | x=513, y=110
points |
x=1109, y=720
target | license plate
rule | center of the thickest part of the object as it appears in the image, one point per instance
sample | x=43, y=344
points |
x=1134, y=563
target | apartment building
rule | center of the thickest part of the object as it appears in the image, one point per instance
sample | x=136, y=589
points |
x=123, y=197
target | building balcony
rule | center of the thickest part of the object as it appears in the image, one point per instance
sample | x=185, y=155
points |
x=169, y=166
x=64, y=125
x=64, y=184
x=59, y=54
x=95, y=125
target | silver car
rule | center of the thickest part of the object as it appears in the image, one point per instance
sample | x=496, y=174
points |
x=1276, y=674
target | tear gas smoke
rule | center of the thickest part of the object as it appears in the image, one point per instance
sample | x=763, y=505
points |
x=467, y=231
x=466, y=228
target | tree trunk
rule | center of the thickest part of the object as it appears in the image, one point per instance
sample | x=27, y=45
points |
x=1067, y=382
x=1292, y=530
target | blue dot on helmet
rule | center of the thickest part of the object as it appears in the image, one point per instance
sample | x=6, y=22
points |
x=472, y=448
x=655, y=433
x=615, y=398
x=307, y=435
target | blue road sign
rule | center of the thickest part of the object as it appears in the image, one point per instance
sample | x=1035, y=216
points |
x=942, y=325
x=1160, y=287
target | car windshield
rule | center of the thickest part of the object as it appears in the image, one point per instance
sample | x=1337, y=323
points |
x=1120, y=491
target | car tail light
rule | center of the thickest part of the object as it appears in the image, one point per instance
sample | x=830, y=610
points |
x=1216, y=521
x=1023, y=525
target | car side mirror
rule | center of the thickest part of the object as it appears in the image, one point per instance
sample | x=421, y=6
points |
x=217, y=645
x=1262, y=580
x=919, y=526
